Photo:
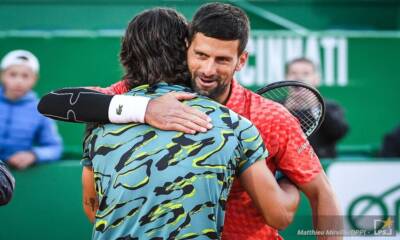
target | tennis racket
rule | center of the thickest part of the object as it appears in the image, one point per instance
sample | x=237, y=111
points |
x=302, y=100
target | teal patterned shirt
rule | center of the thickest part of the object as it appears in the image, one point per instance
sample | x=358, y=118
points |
x=154, y=184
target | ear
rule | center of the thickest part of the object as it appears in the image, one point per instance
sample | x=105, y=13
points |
x=242, y=60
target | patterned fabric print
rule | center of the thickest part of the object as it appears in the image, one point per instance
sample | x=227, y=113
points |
x=289, y=151
x=156, y=184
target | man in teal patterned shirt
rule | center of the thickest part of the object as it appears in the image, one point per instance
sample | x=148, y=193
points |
x=145, y=183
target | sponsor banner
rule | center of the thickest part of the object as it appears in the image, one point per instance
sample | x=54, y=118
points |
x=369, y=195
x=269, y=54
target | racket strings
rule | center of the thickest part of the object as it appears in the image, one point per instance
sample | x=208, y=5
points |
x=301, y=102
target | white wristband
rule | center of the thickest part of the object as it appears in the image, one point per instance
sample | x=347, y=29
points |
x=127, y=109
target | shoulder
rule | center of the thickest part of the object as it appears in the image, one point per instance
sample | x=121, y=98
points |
x=263, y=111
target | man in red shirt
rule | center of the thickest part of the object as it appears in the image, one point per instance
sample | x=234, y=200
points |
x=218, y=36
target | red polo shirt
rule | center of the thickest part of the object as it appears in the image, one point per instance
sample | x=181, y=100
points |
x=289, y=151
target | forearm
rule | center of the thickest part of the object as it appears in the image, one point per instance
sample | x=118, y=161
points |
x=85, y=105
x=76, y=105
x=281, y=212
x=325, y=206
x=327, y=215
x=271, y=200
x=90, y=206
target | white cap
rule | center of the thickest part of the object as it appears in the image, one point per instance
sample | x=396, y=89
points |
x=20, y=57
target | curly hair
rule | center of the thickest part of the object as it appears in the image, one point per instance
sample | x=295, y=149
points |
x=154, y=48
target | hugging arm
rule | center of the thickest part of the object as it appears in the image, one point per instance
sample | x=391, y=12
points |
x=86, y=105
x=276, y=205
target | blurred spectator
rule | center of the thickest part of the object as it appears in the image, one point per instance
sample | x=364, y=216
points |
x=391, y=144
x=7, y=184
x=26, y=136
x=334, y=127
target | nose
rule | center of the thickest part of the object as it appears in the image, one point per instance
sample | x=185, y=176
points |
x=209, y=68
x=19, y=80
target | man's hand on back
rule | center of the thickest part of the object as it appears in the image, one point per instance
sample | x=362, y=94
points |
x=168, y=113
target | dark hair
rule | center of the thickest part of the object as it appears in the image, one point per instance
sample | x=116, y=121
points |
x=154, y=48
x=298, y=60
x=221, y=21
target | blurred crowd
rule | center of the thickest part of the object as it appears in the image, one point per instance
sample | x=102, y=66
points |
x=27, y=137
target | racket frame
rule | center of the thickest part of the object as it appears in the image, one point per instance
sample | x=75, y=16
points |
x=291, y=83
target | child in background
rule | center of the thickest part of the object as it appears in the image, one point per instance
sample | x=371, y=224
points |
x=26, y=137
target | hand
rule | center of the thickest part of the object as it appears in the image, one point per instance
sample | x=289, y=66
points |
x=22, y=160
x=168, y=113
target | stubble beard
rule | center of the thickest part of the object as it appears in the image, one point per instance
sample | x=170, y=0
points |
x=211, y=93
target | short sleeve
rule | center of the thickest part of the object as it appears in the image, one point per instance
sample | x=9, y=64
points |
x=297, y=159
x=289, y=150
x=252, y=146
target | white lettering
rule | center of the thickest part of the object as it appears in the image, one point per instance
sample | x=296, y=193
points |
x=329, y=44
x=312, y=51
x=260, y=65
x=275, y=59
x=268, y=56
x=247, y=74
x=342, y=62
x=294, y=48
